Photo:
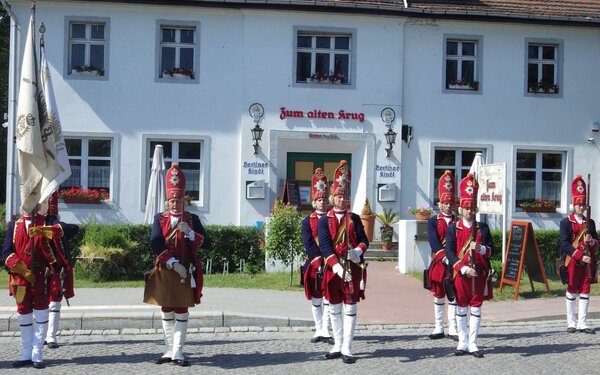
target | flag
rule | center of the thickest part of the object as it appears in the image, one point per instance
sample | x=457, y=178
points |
x=58, y=168
x=31, y=154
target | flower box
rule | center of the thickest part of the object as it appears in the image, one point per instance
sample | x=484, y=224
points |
x=80, y=201
x=542, y=91
x=92, y=73
x=460, y=87
x=177, y=76
x=540, y=209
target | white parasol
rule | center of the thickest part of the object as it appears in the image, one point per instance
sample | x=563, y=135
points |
x=155, y=201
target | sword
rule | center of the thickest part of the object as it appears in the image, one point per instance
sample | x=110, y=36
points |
x=62, y=276
x=47, y=279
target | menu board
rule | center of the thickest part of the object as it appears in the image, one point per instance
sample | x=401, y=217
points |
x=522, y=249
x=291, y=193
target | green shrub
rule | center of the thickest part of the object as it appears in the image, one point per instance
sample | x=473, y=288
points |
x=284, y=238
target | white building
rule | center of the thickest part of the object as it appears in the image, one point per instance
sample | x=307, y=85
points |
x=462, y=78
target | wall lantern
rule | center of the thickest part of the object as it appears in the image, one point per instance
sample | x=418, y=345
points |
x=390, y=138
x=257, y=112
x=407, y=134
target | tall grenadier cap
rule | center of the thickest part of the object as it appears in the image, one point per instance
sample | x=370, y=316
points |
x=175, y=182
x=468, y=192
x=447, y=188
x=341, y=179
x=578, y=191
x=319, y=185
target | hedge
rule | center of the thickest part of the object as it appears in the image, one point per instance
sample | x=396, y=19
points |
x=230, y=244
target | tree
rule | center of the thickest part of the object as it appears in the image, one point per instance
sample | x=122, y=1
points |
x=4, y=58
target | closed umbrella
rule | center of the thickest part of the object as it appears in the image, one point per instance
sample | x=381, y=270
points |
x=155, y=201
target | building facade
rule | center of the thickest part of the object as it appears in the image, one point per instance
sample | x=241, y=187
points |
x=518, y=84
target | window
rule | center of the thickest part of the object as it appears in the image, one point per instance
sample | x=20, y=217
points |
x=457, y=160
x=90, y=160
x=188, y=154
x=544, y=66
x=87, y=46
x=539, y=174
x=178, y=52
x=462, y=61
x=324, y=57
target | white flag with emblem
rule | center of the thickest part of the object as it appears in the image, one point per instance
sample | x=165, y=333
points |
x=31, y=154
x=58, y=168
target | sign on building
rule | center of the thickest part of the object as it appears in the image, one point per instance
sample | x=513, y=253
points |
x=492, y=181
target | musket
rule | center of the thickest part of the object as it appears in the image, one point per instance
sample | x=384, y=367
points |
x=586, y=245
x=472, y=255
x=346, y=261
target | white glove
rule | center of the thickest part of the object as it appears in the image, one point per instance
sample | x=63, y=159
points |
x=180, y=269
x=464, y=269
x=339, y=270
x=483, y=250
x=354, y=255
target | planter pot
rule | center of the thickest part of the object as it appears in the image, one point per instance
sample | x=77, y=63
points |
x=540, y=209
x=80, y=201
x=368, y=222
x=460, y=87
x=92, y=73
x=422, y=216
x=387, y=245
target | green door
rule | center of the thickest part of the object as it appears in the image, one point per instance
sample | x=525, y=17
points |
x=301, y=166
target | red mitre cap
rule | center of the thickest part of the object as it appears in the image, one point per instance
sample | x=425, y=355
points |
x=468, y=192
x=319, y=185
x=579, y=191
x=175, y=182
x=341, y=179
x=446, y=188
x=53, y=204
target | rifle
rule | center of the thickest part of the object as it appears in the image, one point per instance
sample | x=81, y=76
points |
x=346, y=262
x=586, y=245
x=472, y=255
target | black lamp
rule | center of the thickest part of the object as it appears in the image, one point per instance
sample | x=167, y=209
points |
x=407, y=134
x=256, y=111
x=390, y=138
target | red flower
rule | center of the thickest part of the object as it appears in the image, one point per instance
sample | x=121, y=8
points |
x=86, y=195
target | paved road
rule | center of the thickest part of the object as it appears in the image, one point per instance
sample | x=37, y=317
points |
x=510, y=348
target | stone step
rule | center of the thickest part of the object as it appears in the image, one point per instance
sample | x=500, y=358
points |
x=376, y=252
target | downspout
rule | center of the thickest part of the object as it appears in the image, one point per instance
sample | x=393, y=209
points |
x=11, y=170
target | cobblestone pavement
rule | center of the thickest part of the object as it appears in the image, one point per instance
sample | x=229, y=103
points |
x=510, y=348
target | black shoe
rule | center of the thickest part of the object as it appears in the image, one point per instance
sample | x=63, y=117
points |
x=588, y=331
x=460, y=352
x=162, y=360
x=39, y=365
x=437, y=336
x=453, y=337
x=328, y=340
x=316, y=339
x=348, y=359
x=477, y=354
x=571, y=330
x=333, y=355
x=22, y=363
x=52, y=345
x=181, y=362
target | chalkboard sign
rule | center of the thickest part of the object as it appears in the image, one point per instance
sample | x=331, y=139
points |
x=522, y=248
x=291, y=193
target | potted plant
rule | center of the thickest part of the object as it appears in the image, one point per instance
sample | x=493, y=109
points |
x=387, y=219
x=179, y=73
x=543, y=87
x=368, y=219
x=539, y=205
x=421, y=213
x=462, y=84
x=78, y=195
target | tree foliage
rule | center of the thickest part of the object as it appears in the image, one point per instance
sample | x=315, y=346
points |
x=284, y=237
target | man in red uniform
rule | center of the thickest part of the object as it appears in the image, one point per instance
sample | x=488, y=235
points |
x=579, y=240
x=438, y=270
x=30, y=263
x=468, y=247
x=313, y=267
x=343, y=242
x=176, y=236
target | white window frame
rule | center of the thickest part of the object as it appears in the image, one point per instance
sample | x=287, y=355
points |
x=565, y=151
x=326, y=32
x=203, y=194
x=178, y=25
x=486, y=152
x=478, y=58
x=558, y=44
x=114, y=156
x=88, y=21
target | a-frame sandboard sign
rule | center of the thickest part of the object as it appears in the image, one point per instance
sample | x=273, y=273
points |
x=522, y=247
